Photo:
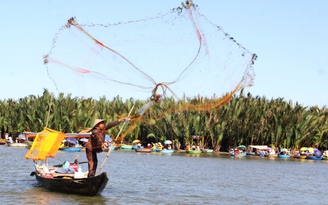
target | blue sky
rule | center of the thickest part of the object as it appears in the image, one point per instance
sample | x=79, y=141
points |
x=289, y=37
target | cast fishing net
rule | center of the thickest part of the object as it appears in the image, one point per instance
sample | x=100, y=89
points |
x=179, y=54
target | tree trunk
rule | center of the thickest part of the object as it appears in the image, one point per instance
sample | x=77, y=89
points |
x=217, y=148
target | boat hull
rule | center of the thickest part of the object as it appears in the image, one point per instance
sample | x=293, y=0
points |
x=314, y=158
x=144, y=150
x=166, y=151
x=283, y=156
x=194, y=151
x=17, y=144
x=86, y=186
x=71, y=149
x=207, y=151
x=239, y=155
x=3, y=141
x=301, y=156
x=126, y=147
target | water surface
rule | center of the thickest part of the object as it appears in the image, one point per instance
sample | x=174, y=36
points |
x=154, y=178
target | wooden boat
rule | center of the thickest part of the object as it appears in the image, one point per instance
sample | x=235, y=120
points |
x=46, y=145
x=257, y=150
x=66, y=183
x=143, y=150
x=2, y=141
x=17, y=144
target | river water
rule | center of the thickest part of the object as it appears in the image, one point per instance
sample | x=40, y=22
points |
x=154, y=178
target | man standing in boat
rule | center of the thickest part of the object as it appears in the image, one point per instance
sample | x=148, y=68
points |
x=96, y=142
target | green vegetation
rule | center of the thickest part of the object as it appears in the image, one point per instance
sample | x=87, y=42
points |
x=243, y=120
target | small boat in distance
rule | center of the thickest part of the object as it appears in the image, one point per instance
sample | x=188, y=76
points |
x=257, y=150
x=2, y=141
x=325, y=155
x=20, y=141
x=314, y=154
x=303, y=153
x=72, y=141
x=71, y=149
x=240, y=151
x=284, y=153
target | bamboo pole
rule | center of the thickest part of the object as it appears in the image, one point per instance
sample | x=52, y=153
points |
x=48, y=115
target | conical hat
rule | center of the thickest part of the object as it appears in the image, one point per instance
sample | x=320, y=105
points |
x=96, y=122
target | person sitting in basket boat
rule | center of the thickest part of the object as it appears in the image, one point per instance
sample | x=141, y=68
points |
x=139, y=146
x=96, y=142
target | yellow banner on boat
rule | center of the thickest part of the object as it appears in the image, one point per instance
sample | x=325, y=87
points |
x=45, y=144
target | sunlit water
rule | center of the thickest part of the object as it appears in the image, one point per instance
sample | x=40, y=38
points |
x=138, y=178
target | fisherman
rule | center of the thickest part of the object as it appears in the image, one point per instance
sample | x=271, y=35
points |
x=96, y=142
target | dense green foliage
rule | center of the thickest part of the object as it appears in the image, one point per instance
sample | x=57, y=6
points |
x=243, y=120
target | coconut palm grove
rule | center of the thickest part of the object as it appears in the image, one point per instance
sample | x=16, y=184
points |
x=245, y=119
